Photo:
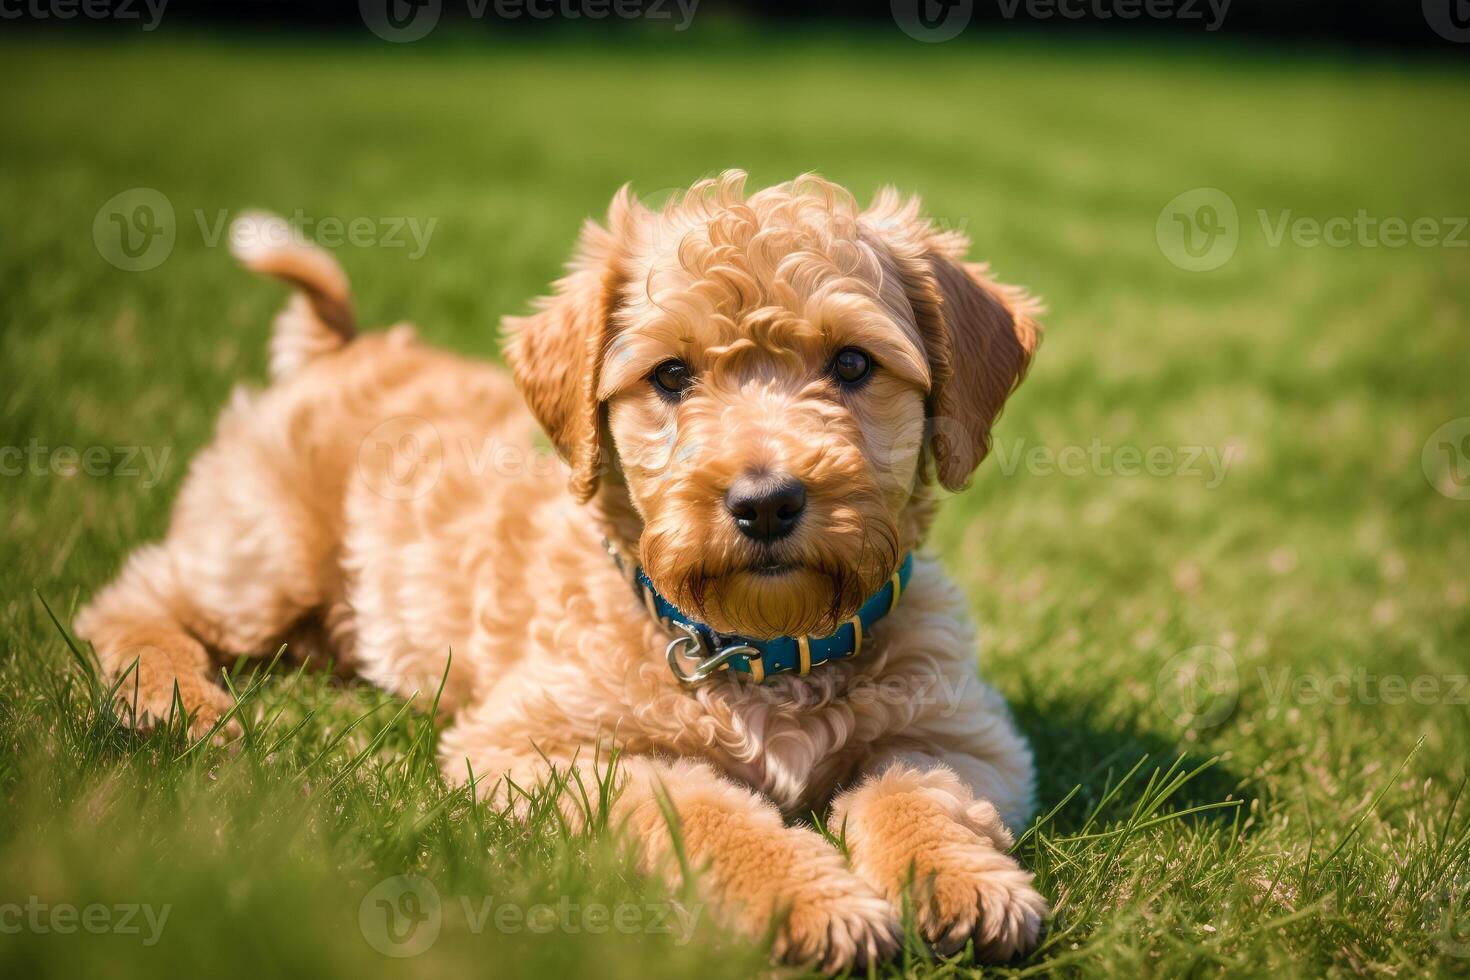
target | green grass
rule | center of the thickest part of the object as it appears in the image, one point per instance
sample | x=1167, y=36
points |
x=1325, y=552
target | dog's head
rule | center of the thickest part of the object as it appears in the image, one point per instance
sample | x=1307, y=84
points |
x=774, y=379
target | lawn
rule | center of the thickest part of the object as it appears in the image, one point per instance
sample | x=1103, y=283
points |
x=1219, y=555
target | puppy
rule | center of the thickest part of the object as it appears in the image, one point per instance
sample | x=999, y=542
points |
x=753, y=399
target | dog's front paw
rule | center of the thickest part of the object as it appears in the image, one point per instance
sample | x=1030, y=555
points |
x=146, y=698
x=824, y=914
x=924, y=833
x=975, y=891
x=841, y=924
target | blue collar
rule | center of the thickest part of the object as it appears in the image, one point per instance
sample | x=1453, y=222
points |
x=711, y=651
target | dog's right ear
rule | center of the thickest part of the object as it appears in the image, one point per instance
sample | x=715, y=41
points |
x=556, y=352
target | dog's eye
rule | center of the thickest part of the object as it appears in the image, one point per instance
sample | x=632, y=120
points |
x=672, y=378
x=851, y=366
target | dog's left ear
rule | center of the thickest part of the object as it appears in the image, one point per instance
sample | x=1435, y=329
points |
x=979, y=334
x=556, y=353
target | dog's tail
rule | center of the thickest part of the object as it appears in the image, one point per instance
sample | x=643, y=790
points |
x=319, y=317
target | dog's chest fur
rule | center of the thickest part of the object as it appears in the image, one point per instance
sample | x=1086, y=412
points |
x=496, y=563
x=558, y=651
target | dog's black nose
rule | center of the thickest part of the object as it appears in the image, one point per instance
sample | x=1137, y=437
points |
x=766, y=507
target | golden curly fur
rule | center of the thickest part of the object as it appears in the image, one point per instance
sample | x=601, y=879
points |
x=385, y=499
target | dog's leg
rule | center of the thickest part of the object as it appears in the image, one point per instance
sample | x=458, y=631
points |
x=915, y=820
x=751, y=867
x=135, y=626
x=240, y=564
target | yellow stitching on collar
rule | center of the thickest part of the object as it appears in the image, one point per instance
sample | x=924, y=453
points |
x=803, y=645
x=757, y=668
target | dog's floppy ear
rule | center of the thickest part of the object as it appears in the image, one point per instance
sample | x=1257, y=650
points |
x=556, y=352
x=979, y=335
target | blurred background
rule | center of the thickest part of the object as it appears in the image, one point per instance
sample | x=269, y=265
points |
x=1224, y=522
